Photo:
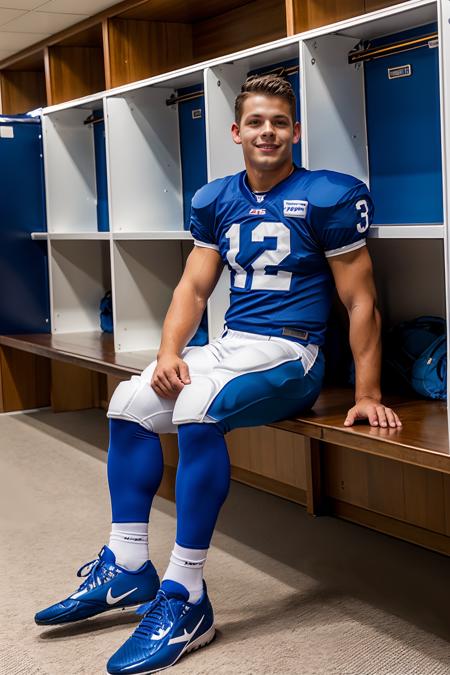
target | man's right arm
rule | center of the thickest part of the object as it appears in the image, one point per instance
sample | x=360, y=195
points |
x=201, y=274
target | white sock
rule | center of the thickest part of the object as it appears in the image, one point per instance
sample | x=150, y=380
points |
x=129, y=543
x=186, y=567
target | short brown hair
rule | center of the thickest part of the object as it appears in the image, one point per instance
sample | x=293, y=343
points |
x=270, y=85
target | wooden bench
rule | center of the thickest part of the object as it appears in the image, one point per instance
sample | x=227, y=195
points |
x=422, y=444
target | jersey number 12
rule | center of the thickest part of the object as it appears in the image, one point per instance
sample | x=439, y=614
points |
x=280, y=280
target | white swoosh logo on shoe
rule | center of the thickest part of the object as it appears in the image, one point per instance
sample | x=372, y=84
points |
x=111, y=600
x=186, y=636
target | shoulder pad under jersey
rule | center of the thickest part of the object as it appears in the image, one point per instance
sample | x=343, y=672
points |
x=328, y=188
x=207, y=194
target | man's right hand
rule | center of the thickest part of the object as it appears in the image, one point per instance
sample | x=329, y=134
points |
x=170, y=376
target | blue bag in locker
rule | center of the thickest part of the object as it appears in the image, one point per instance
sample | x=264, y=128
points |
x=191, y=115
x=100, y=172
x=24, y=300
x=290, y=71
x=404, y=135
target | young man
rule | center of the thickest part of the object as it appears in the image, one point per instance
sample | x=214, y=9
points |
x=285, y=233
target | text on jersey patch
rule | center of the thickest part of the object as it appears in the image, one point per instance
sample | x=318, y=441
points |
x=295, y=208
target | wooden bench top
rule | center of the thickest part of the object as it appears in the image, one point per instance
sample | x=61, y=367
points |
x=423, y=440
x=90, y=350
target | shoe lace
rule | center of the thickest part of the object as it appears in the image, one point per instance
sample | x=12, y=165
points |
x=158, y=614
x=96, y=573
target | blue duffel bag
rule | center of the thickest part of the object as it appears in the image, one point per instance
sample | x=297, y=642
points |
x=417, y=351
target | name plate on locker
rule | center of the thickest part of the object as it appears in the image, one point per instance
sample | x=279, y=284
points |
x=196, y=114
x=399, y=71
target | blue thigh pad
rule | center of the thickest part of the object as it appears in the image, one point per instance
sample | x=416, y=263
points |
x=266, y=396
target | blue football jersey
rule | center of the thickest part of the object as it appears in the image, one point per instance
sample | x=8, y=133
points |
x=276, y=246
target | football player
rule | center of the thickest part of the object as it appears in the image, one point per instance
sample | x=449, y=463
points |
x=287, y=236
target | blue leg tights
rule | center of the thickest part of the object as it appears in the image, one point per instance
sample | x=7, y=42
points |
x=203, y=480
x=135, y=469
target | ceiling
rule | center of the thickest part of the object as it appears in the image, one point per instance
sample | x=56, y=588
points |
x=24, y=22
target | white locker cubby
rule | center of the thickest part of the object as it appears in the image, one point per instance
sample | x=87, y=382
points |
x=334, y=115
x=80, y=275
x=143, y=145
x=69, y=162
x=410, y=278
x=145, y=275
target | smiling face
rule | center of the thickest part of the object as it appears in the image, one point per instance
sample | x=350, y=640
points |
x=266, y=132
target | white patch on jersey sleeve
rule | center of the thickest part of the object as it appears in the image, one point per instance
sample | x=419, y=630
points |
x=345, y=249
x=203, y=244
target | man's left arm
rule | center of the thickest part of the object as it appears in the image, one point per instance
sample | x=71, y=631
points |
x=355, y=285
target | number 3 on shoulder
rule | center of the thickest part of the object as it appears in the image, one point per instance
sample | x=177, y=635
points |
x=363, y=209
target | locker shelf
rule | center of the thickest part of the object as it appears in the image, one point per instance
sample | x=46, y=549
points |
x=407, y=231
x=169, y=235
x=79, y=236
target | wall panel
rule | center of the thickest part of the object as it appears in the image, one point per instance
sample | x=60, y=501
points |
x=253, y=23
x=73, y=72
x=408, y=494
x=313, y=13
x=140, y=49
x=22, y=91
x=24, y=380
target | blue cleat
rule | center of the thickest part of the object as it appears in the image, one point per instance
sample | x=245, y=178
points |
x=171, y=627
x=107, y=586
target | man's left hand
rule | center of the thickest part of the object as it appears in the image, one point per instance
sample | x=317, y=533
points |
x=375, y=412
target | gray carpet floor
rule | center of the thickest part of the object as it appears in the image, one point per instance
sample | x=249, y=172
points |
x=292, y=594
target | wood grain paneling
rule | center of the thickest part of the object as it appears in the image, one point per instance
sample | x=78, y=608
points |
x=316, y=501
x=271, y=453
x=140, y=49
x=413, y=495
x=169, y=444
x=183, y=11
x=273, y=487
x=313, y=13
x=72, y=72
x=253, y=478
x=253, y=23
x=167, y=487
x=90, y=37
x=2, y=403
x=32, y=63
x=346, y=476
x=372, y=5
x=385, y=486
x=22, y=91
x=424, y=501
x=290, y=17
x=446, y=485
x=74, y=388
x=24, y=380
x=396, y=528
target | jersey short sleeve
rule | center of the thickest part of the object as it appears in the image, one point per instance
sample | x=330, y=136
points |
x=203, y=217
x=344, y=225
